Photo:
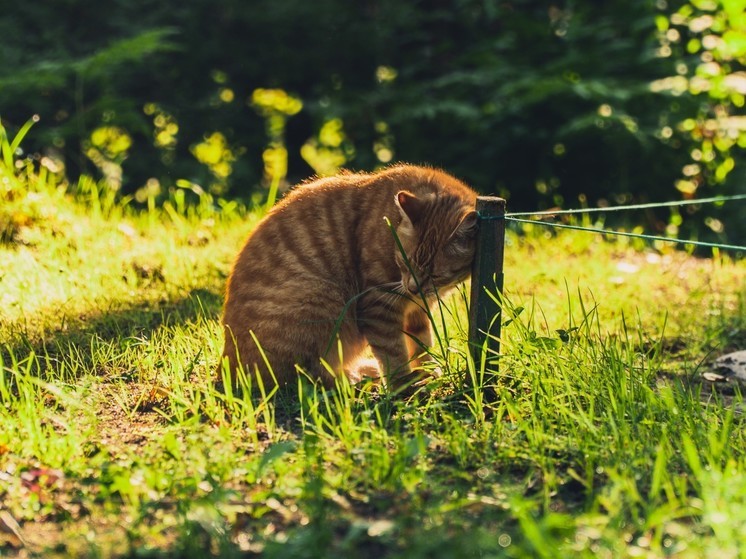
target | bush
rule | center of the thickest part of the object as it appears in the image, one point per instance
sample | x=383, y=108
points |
x=546, y=103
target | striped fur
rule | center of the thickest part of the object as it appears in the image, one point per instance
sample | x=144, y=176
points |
x=323, y=268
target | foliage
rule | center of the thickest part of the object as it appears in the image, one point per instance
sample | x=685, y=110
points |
x=708, y=41
x=545, y=102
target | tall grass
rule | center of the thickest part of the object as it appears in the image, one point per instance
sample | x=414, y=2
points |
x=601, y=440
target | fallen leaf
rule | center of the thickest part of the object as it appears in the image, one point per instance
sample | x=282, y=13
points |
x=10, y=531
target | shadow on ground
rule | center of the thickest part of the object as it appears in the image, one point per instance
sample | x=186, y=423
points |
x=121, y=325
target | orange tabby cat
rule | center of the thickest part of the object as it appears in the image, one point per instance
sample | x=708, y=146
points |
x=324, y=265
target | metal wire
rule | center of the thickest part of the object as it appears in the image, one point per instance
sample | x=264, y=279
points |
x=714, y=199
x=626, y=234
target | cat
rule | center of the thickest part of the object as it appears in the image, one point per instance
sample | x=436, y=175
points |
x=324, y=269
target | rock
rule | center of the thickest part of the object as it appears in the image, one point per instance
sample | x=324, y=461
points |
x=728, y=368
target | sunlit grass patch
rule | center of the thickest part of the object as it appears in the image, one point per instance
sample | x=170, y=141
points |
x=114, y=441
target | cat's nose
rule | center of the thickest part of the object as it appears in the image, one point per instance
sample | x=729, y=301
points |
x=412, y=285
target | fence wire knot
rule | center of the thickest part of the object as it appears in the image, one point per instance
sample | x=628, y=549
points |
x=481, y=216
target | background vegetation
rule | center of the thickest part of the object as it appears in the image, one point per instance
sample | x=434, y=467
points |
x=545, y=102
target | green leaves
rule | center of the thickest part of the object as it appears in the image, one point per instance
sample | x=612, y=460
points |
x=100, y=64
x=126, y=51
x=562, y=97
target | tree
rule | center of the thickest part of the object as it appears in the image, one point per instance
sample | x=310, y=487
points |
x=545, y=102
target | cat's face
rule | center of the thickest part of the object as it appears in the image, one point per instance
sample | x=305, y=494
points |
x=438, y=241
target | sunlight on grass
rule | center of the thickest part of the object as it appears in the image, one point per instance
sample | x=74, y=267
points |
x=601, y=442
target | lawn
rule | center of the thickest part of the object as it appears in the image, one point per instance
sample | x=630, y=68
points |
x=603, y=440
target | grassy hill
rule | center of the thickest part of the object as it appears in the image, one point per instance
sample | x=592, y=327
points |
x=604, y=442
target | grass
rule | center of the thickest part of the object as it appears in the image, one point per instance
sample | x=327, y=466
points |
x=603, y=441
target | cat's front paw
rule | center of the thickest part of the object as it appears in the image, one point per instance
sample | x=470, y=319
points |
x=427, y=368
x=409, y=385
x=364, y=369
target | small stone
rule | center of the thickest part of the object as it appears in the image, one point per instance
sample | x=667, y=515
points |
x=728, y=368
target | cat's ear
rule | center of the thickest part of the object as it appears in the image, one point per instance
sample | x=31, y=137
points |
x=466, y=230
x=462, y=240
x=467, y=227
x=409, y=205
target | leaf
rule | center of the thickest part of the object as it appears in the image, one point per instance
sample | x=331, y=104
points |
x=131, y=49
x=9, y=526
x=274, y=453
x=564, y=335
x=36, y=478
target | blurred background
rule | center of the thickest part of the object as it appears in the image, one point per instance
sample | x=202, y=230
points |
x=547, y=103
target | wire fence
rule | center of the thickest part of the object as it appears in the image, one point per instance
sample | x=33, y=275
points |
x=519, y=217
x=487, y=271
x=713, y=200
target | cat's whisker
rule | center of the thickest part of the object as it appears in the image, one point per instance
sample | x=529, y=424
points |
x=391, y=293
x=385, y=288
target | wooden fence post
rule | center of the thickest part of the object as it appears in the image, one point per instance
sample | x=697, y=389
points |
x=487, y=281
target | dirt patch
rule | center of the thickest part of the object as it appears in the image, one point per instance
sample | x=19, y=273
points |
x=122, y=430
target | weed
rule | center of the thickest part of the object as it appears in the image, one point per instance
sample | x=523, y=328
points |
x=590, y=436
